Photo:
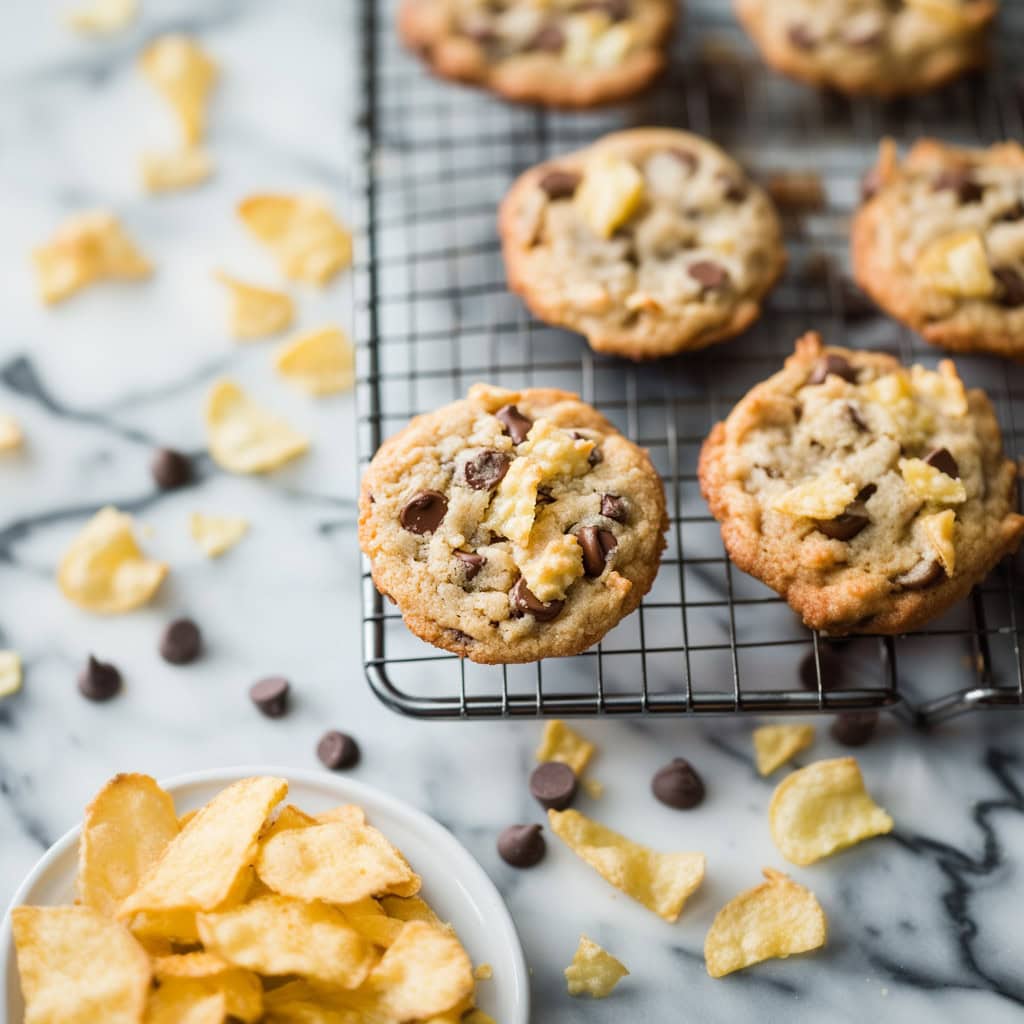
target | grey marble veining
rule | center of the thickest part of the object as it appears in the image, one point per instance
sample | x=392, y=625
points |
x=924, y=924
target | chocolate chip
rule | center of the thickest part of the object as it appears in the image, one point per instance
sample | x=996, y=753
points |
x=678, y=785
x=866, y=491
x=926, y=573
x=549, y=39
x=802, y=37
x=847, y=525
x=525, y=603
x=485, y=470
x=424, y=512
x=854, y=728
x=856, y=305
x=1012, y=215
x=735, y=188
x=708, y=274
x=337, y=750
x=1012, y=282
x=170, y=469
x=959, y=181
x=515, y=424
x=613, y=507
x=831, y=671
x=471, y=563
x=943, y=461
x=560, y=184
x=553, y=785
x=834, y=364
x=99, y=680
x=856, y=419
x=522, y=846
x=596, y=455
x=870, y=184
x=685, y=156
x=597, y=545
x=270, y=695
x=544, y=496
x=617, y=10
x=181, y=642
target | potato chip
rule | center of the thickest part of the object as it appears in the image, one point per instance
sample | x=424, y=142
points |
x=277, y=935
x=100, y=17
x=288, y=817
x=303, y=233
x=127, y=827
x=823, y=808
x=87, y=248
x=773, y=920
x=256, y=312
x=349, y=814
x=593, y=971
x=175, y=926
x=296, y=1002
x=560, y=743
x=210, y=974
x=176, y=169
x=321, y=362
x=104, y=570
x=335, y=862
x=78, y=967
x=243, y=437
x=411, y=908
x=184, y=76
x=10, y=673
x=425, y=971
x=368, y=918
x=185, y=1002
x=477, y=1016
x=11, y=437
x=207, y=862
x=774, y=745
x=662, y=882
x=217, y=534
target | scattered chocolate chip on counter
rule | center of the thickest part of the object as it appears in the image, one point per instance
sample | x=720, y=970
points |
x=522, y=846
x=170, y=469
x=854, y=728
x=553, y=784
x=337, y=750
x=270, y=695
x=181, y=642
x=99, y=680
x=678, y=785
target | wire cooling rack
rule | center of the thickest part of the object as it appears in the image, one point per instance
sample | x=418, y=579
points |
x=434, y=316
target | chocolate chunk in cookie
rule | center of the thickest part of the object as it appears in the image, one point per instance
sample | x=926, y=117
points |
x=516, y=425
x=424, y=512
x=485, y=470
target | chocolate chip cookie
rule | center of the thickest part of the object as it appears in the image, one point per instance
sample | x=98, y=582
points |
x=649, y=242
x=878, y=47
x=512, y=526
x=939, y=243
x=872, y=497
x=561, y=53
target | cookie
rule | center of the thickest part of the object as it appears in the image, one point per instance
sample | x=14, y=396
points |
x=560, y=53
x=878, y=47
x=649, y=242
x=939, y=244
x=512, y=525
x=870, y=496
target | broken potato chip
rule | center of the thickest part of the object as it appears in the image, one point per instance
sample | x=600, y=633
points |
x=10, y=434
x=78, y=967
x=208, y=974
x=10, y=673
x=593, y=971
x=256, y=312
x=175, y=170
x=184, y=75
x=774, y=745
x=217, y=534
x=87, y=248
x=105, y=571
x=102, y=17
x=245, y=438
x=662, y=882
x=308, y=241
x=771, y=921
x=560, y=743
x=823, y=808
x=321, y=362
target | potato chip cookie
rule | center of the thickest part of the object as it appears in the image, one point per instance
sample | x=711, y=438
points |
x=512, y=526
x=561, y=53
x=878, y=47
x=649, y=242
x=872, y=497
x=939, y=244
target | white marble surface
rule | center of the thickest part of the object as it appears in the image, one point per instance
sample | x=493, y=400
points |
x=924, y=924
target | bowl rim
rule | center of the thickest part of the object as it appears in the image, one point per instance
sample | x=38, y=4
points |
x=475, y=879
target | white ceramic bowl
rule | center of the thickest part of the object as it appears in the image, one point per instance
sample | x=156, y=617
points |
x=453, y=883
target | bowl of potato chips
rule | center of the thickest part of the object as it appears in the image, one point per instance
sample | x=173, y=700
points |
x=286, y=898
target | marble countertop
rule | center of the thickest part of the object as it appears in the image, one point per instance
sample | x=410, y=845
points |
x=923, y=923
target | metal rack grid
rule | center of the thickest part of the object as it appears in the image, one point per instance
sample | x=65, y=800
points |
x=434, y=315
